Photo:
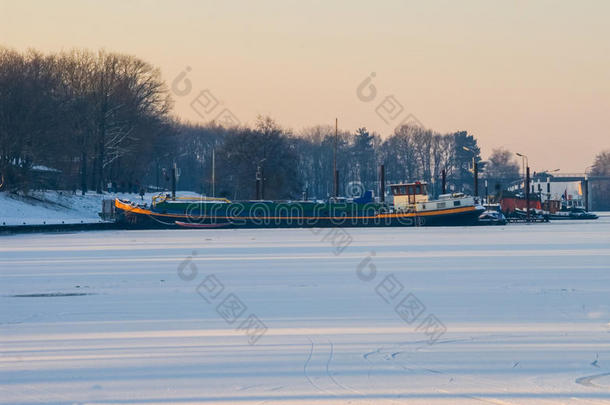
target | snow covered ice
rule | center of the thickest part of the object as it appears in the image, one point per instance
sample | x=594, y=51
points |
x=56, y=207
x=506, y=315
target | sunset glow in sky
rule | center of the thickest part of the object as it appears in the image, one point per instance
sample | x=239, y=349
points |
x=533, y=77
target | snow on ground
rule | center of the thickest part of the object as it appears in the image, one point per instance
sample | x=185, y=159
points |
x=55, y=207
x=139, y=316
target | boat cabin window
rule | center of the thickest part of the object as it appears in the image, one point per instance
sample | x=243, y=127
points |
x=409, y=189
x=399, y=190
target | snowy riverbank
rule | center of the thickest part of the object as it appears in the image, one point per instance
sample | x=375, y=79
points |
x=57, y=207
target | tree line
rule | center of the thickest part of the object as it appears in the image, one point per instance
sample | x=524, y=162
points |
x=90, y=116
x=296, y=164
x=84, y=120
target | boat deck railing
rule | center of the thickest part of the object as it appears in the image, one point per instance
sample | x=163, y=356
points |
x=162, y=198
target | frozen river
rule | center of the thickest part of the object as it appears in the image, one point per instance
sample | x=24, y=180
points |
x=505, y=315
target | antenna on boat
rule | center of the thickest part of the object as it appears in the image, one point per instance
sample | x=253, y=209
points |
x=335, y=172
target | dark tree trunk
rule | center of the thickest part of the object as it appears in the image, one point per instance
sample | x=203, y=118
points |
x=100, y=169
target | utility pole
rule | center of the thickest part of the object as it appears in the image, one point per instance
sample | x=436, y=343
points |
x=584, y=185
x=525, y=163
x=258, y=186
x=157, y=175
x=335, y=172
x=174, y=181
x=382, y=183
x=83, y=174
x=213, y=172
x=475, y=173
x=526, y=183
x=444, y=181
x=258, y=182
x=262, y=183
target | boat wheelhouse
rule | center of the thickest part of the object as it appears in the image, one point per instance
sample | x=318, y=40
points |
x=408, y=194
x=413, y=197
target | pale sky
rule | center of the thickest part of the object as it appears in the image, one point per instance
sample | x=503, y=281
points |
x=531, y=76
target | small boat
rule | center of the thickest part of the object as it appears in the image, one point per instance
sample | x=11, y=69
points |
x=492, y=215
x=572, y=213
x=411, y=207
x=519, y=215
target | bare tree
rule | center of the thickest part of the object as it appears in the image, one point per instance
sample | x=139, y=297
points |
x=502, y=168
x=600, y=188
x=601, y=166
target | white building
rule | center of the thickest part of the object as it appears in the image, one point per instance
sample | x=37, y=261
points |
x=559, y=189
x=566, y=188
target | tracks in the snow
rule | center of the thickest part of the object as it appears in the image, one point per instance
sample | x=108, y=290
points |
x=588, y=380
x=317, y=368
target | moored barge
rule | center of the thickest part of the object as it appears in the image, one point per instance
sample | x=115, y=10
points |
x=411, y=207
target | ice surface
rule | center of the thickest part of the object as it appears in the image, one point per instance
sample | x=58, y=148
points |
x=123, y=316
